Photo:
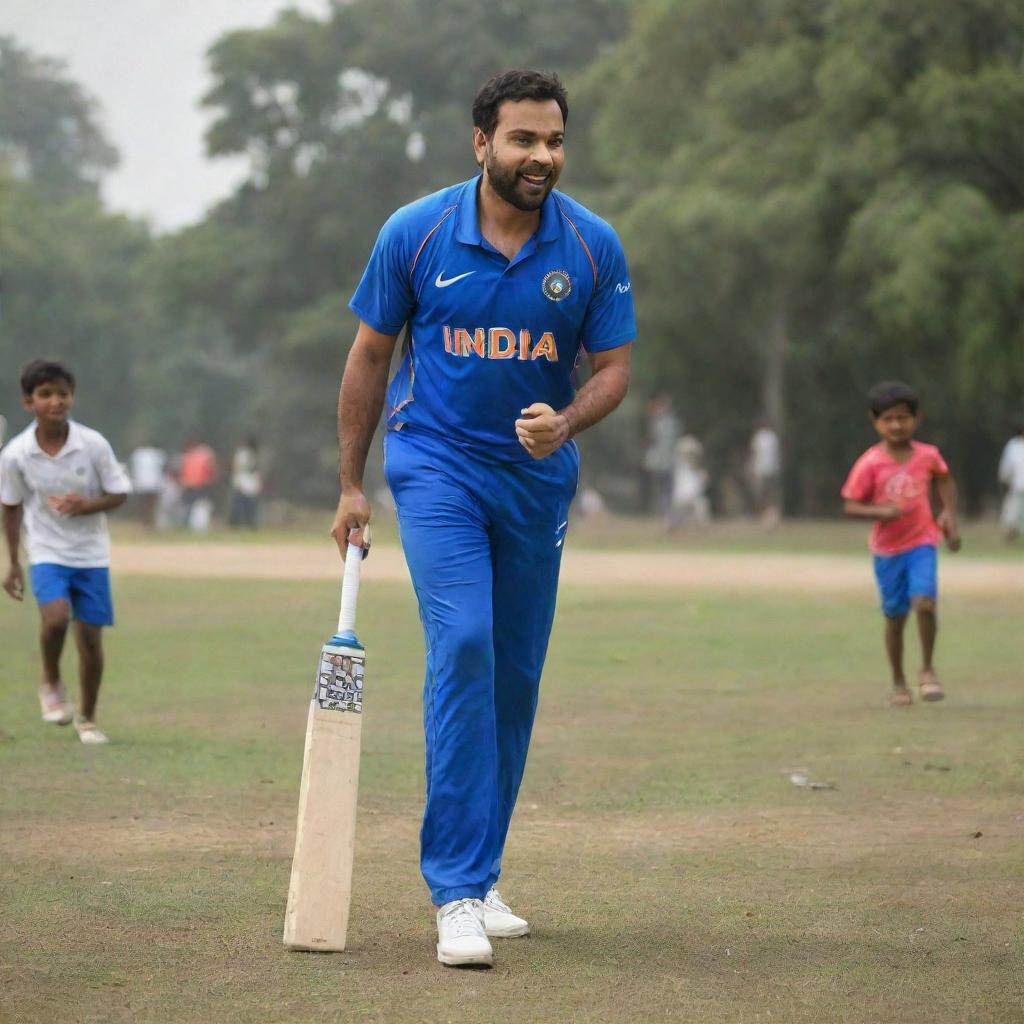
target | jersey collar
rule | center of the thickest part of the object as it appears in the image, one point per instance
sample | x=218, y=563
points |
x=72, y=444
x=467, y=228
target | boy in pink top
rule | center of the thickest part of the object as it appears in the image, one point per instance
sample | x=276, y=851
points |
x=891, y=483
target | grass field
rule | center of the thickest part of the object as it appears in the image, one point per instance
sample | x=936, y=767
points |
x=670, y=869
x=808, y=536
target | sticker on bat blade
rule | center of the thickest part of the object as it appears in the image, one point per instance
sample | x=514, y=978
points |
x=339, y=683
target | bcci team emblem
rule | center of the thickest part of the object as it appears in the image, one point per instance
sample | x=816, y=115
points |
x=557, y=285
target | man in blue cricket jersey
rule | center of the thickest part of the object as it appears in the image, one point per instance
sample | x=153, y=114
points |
x=501, y=284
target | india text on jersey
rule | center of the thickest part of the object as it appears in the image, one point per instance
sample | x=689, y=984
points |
x=499, y=343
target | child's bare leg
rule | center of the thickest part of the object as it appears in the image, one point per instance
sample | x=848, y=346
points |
x=55, y=616
x=90, y=666
x=894, y=647
x=927, y=627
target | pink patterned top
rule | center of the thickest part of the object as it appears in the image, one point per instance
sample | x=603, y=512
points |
x=878, y=479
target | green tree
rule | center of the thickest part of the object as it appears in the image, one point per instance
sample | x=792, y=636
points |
x=816, y=194
x=342, y=121
x=72, y=273
x=48, y=130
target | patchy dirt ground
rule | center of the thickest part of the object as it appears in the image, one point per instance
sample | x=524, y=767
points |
x=268, y=830
x=671, y=870
x=683, y=569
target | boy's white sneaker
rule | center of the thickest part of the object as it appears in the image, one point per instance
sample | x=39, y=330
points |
x=499, y=921
x=461, y=939
x=88, y=733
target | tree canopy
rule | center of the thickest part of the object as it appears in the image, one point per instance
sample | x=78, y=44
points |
x=73, y=274
x=48, y=131
x=813, y=195
x=821, y=194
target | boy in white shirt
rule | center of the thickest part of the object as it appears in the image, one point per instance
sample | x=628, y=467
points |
x=59, y=478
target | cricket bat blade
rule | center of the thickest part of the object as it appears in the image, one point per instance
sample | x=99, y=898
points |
x=321, y=880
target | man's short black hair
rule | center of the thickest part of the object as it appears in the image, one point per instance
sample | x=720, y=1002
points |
x=890, y=393
x=513, y=86
x=44, y=371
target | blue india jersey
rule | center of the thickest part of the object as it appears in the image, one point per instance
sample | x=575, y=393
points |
x=487, y=336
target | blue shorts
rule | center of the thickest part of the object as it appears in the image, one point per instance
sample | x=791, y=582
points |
x=86, y=590
x=905, y=576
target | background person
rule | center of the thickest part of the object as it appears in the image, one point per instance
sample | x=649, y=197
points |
x=663, y=429
x=59, y=478
x=246, y=485
x=502, y=282
x=170, y=512
x=146, y=467
x=1011, y=476
x=196, y=474
x=766, y=473
x=590, y=504
x=689, y=484
x=891, y=483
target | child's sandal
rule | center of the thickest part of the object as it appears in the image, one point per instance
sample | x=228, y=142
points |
x=55, y=707
x=88, y=733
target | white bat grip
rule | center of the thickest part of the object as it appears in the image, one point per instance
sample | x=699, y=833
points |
x=350, y=589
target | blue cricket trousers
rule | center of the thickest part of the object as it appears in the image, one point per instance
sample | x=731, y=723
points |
x=483, y=541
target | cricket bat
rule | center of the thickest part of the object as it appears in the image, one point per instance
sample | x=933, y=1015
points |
x=321, y=882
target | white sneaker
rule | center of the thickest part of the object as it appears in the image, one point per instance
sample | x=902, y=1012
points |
x=88, y=733
x=499, y=921
x=461, y=939
x=55, y=706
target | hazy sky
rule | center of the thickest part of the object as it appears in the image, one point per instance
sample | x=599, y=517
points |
x=143, y=61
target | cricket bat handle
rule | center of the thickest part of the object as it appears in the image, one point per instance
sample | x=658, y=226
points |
x=350, y=589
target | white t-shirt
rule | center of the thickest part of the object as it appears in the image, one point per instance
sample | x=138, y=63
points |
x=689, y=483
x=245, y=474
x=1011, y=465
x=764, y=453
x=86, y=465
x=147, y=468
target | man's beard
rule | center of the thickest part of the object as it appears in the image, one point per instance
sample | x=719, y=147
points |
x=505, y=184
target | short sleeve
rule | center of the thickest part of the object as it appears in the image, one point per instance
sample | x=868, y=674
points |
x=860, y=484
x=12, y=483
x=113, y=477
x=610, y=320
x=384, y=297
x=939, y=467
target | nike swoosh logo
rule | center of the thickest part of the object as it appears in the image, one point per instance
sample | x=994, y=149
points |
x=442, y=283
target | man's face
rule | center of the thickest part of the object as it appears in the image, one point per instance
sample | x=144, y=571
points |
x=523, y=159
x=896, y=425
x=51, y=402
